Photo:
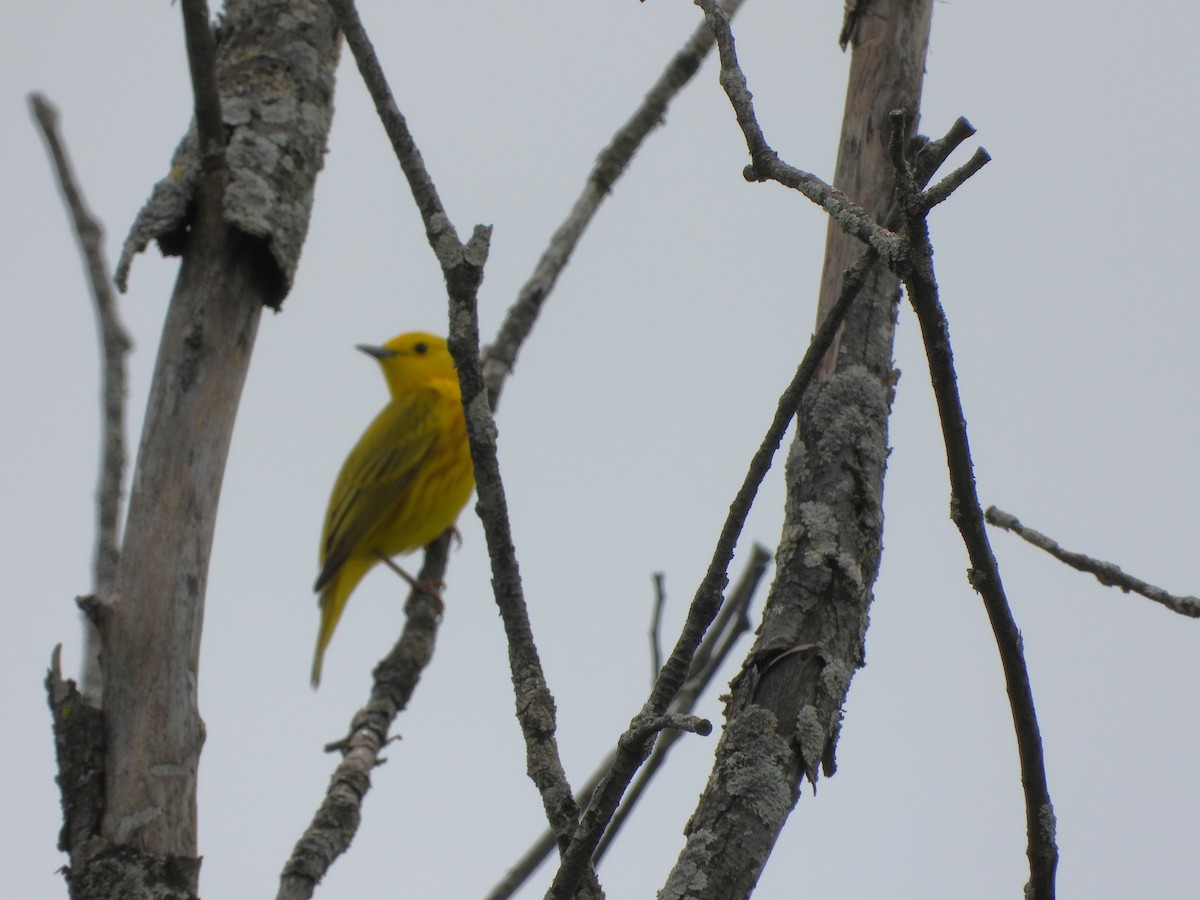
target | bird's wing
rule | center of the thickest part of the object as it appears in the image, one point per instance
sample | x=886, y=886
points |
x=376, y=475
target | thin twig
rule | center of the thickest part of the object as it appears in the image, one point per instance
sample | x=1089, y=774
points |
x=669, y=722
x=707, y=601
x=202, y=63
x=948, y=185
x=660, y=601
x=395, y=679
x=433, y=214
x=115, y=345
x=535, y=704
x=921, y=287
x=732, y=622
x=114, y=341
x=1108, y=574
x=450, y=252
x=611, y=164
x=462, y=265
x=932, y=154
x=765, y=162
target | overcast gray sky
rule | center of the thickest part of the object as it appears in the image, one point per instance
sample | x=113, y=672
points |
x=1067, y=271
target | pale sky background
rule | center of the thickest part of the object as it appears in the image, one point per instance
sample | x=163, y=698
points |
x=1067, y=269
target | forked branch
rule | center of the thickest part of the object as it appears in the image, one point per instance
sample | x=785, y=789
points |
x=732, y=622
x=462, y=266
x=705, y=604
x=921, y=287
x=909, y=254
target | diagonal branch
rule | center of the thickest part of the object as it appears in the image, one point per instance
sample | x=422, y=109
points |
x=730, y=624
x=463, y=281
x=706, y=602
x=438, y=229
x=336, y=821
x=714, y=650
x=202, y=64
x=115, y=345
x=765, y=163
x=462, y=266
x=966, y=512
x=610, y=165
x=535, y=705
x=952, y=182
x=1108, y=574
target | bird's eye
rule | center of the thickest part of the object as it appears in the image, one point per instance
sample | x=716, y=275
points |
x=420, y=347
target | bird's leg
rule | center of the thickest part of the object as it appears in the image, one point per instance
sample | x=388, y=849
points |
x=428, y=587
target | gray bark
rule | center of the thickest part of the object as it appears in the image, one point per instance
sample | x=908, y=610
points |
x=238, y=218
x=784, y=714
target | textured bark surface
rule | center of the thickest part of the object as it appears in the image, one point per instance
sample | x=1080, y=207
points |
x=238, y=221
x=275, y=68
x=890, y=42
x=785, y=710
x=151, y=632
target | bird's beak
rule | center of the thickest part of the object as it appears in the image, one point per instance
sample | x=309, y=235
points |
x=379, y=353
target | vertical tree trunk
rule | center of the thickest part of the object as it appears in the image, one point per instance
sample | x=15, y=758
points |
x=152, y=632
x=238, y=217
x=785, y=711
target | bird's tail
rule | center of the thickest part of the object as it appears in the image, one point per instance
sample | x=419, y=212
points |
x=334, y=595
x=333, y=600
x=332, y=603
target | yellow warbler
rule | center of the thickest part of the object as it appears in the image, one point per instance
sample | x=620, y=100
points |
x=404, y=482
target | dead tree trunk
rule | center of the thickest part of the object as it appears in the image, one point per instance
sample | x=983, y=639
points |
x=236, y=208
x=785, y=711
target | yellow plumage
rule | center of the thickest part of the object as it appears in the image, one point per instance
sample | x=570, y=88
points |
x=405, y=481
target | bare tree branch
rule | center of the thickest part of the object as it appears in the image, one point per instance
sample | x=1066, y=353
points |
x=731, y=623
x=438, y=229
x=1108, y=574
x=522, y=315
x=921, y=287
x=114, y=345
x=535, y=705
x=952, y=182
x=765, y=163
x=280, y=54
x=706, y=603
x=933, y=154
x=786, y=706
x=660, y=601
x=462, y=266
x=336, y=821
x=610, y=165
x=650, y=728
x=202, y=64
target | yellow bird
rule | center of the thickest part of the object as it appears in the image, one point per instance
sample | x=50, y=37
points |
x=405, y=481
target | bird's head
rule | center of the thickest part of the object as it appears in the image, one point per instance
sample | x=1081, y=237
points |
x=411, y=360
